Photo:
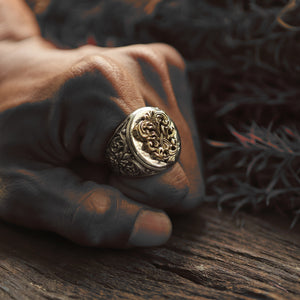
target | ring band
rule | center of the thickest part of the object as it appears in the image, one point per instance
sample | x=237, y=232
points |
x=145, y=143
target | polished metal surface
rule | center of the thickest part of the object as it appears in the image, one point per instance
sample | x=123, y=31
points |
x=146, y=143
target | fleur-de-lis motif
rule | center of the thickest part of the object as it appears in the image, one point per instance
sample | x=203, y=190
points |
x=155, y=135
x=158, y=135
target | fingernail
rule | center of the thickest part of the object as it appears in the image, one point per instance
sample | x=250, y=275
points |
x=150, y=229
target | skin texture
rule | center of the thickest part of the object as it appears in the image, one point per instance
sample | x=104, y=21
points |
x=59, y=108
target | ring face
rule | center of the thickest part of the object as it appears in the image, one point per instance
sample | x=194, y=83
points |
x=146, y=143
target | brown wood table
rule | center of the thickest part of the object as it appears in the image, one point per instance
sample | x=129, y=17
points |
x=211, y=255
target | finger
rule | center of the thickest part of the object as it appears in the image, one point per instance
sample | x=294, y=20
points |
x=164, y=190
x=160, y=70
x=148, y=65
x=172, y=91
x=84, y=212
x=192, y=167
x=151, y=72
x=191, y=155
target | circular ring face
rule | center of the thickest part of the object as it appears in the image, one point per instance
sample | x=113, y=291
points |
x=146, y=143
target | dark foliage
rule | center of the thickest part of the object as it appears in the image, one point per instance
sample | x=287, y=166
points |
x=243, y=60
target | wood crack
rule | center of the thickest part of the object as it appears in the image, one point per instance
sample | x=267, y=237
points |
x=207, y=258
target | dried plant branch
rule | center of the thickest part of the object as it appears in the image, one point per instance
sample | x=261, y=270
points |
x=266, y=169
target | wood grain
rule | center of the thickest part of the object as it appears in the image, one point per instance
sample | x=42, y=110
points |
x=211, y=255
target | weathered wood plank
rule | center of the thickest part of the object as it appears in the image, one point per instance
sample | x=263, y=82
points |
x=211, y=255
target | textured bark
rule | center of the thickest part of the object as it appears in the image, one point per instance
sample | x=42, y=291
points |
x=211, y=255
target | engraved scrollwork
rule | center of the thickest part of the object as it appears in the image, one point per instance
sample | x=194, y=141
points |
x=120, y=157
x=158, y=135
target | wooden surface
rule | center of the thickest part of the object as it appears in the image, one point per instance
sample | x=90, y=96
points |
x=211, y=255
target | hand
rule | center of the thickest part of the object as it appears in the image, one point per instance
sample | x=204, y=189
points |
x=58, y=110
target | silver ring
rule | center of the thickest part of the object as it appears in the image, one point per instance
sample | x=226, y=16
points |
x=145, y=143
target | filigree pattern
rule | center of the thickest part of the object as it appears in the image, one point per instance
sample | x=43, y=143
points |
x=121, y=158
x=146, y=143
x=158, y=135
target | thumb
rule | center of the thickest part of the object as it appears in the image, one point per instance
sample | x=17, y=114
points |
x=84, y=212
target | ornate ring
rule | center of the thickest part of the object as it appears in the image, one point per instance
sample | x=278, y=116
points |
x=145, y=143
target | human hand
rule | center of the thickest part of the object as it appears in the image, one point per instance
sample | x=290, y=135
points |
x=59, y=109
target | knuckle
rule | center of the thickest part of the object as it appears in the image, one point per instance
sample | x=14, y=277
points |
x=101, y=65
x=171, y=54
x=87, y=64
x=91, y=76
x=97, y=203
x=148, y=54
x=89, y=218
